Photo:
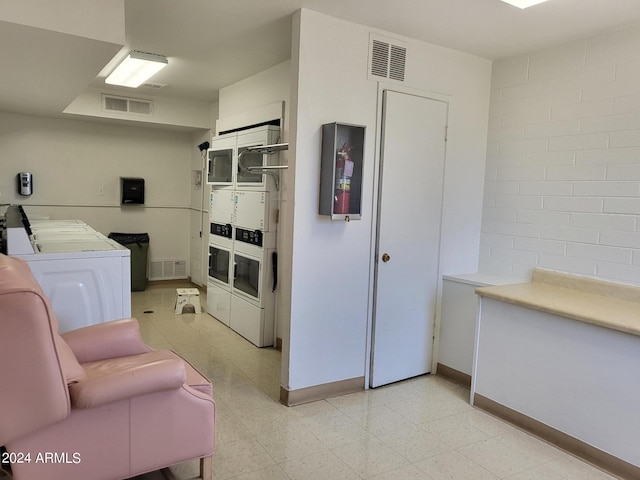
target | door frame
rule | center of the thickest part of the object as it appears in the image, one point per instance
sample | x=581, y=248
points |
x=375, y=207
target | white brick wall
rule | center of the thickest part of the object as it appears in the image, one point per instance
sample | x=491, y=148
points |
x=562, y=183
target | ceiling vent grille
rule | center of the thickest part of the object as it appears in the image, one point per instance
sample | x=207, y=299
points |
x=155, y=86
x=136, y=106
x=386, y=59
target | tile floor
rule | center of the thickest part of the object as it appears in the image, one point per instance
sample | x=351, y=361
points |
x=422, y=428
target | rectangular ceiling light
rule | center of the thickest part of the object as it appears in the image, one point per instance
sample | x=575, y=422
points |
x=136, y=69
x=523, y=3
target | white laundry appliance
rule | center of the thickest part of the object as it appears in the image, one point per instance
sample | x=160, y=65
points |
x=86, y=275
x=243, y=227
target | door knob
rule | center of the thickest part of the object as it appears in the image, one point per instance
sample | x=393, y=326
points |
x=385, y=257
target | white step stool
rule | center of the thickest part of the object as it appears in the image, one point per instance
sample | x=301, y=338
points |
x=188, y=296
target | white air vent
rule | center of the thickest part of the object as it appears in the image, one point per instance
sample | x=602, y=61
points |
x=386, y=59
x=167, y=269
x=155, y=86
x=136, y=106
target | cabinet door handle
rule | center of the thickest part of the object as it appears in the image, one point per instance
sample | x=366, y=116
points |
x=386, y=257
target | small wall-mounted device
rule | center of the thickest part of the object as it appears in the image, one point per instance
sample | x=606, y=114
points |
x=25, y=183
x=132, y=191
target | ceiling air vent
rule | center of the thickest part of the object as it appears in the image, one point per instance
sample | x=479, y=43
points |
x=155, y=86
x=136, y=106
x=386, y=59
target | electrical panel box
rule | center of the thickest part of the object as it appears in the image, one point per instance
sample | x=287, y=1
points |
x=341, y=171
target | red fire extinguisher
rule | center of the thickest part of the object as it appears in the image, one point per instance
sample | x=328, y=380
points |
x=344, y=171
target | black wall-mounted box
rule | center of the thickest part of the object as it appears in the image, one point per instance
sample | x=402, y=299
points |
x=132, y=190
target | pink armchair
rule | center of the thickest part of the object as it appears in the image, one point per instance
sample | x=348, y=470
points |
x=95, y=403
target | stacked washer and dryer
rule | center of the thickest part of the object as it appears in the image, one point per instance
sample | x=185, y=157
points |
x=242, y=241
x=86, y=275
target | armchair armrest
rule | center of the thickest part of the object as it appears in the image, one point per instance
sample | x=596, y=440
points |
x=112, y=381
x=117, y=338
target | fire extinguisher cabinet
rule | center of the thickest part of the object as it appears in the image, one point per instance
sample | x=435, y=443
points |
x=341, y=171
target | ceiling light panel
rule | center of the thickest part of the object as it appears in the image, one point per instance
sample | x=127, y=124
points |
x=523, y=3
x=136, y=69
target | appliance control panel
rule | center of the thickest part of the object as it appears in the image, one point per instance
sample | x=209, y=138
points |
x=253, y=237
x=222, y=230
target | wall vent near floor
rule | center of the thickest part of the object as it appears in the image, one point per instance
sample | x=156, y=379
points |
x=111, y=103
x=167, y=269
x=387, y=58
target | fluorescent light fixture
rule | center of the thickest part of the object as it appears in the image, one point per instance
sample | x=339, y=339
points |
x=136, y=68
x=523, y=3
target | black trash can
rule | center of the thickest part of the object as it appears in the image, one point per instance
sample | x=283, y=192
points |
x=138, y=243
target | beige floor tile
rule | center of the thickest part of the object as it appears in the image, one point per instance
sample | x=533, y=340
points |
x=236, y=458
x=524, y=442
x=453, y=465
x=408, y=472
x=415, y=445
x=381, y=420
x=336, y=430
x=575, y=469
x=290, y=442
x=319, y=466
x=455, y=431
x=370, y=457
x=486, y=423
x=496, y=457
x=269, y=473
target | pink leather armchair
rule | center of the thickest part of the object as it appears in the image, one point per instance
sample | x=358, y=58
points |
x=94, y=403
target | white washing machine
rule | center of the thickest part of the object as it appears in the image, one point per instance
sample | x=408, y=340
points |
x=86, y=275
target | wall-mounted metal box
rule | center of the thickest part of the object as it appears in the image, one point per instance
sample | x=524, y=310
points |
x=341, y=171
x=132, y=190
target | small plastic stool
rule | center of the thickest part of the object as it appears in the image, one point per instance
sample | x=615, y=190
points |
x=188, y=296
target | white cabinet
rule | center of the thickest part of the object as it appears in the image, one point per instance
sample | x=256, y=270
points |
x=459, y=313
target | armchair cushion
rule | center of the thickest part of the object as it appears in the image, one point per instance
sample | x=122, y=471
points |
x=126, y=377
x=117, y=338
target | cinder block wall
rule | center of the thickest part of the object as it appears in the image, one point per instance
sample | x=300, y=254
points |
x=562, y=187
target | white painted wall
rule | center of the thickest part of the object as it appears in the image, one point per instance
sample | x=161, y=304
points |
x=271, y=85
x=563, y=161
x=71, y=160
x=330, y=273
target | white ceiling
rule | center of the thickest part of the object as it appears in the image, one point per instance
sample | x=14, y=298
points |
x=213, y=43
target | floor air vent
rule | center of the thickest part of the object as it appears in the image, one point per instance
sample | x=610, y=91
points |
x=136, y=106
x=167, y=269
x=386, y=59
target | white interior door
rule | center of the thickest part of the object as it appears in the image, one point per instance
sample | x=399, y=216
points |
x=408, y=243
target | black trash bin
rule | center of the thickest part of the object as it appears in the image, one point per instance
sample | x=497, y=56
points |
x=138, y=243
